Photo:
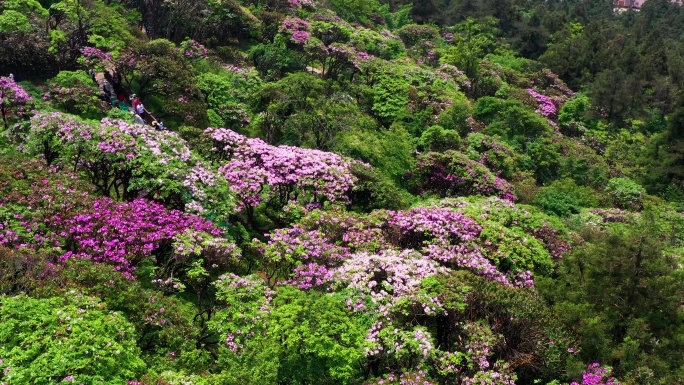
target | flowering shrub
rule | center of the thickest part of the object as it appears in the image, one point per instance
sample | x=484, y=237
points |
x=546, y=106
x=258, y=172
x=453, y=174
x=297, y=29
x=385, y=277
x=74, y=92
x=245, y=303
x=448, y=72
x=14, y=100
x=95, y=58
x=193, y=49
x=297, y=4
x=130, y=160
x=35, y=202
x=55, y=135
x=420, y=226
x=597, y=375
x=125, y=234
x=491, y=237
x=305, y=256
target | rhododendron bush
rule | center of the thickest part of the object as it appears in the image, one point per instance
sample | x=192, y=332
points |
x=453, y=174
x=128, y=160
x=258, y=172
x=35, y=202
x=125, y=234
x=396, y=268
x=492, y=237
x=14, y=100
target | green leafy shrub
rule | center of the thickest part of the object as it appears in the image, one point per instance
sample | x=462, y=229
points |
x=626, y=193
x=436, y=138
x=375, y=190
x=564, y=197
x=354, y=10
x=390, y=151
x=274, y=60
x=390, y=97
x=75, y=92
x=71, y=338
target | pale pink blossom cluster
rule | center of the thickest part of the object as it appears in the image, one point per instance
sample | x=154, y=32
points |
x=258, y=172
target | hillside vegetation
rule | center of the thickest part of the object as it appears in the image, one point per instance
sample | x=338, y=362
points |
x=342, y=192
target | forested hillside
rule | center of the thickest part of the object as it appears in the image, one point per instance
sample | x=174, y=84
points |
x=350, y=192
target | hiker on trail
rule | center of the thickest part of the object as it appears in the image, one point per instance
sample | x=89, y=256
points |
x=140, y=110
x=135, y=101
x=138, y=119
x=107, y=87
x=12, y=77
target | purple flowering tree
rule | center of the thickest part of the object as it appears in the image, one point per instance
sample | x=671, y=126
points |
x=296, y=29
x=14, y=100
x=276, y=175
x=299, y=257
x=124, y=234
x=546, y=107
x=454, y=174
x=128, y=161
x=57, y=136
x=95, y=58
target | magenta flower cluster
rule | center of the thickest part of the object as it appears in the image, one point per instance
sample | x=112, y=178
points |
x=309, y=253
x=94, y=56
x=194, y=49
x=13, y=99
x=442, y=235
x=597, y=375
x=296, y=4
x=123, y=234
x=297, y=28
x=447, y=237
x=546, y=106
